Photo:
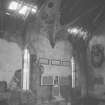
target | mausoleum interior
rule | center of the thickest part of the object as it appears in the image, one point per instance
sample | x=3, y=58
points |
x=52, y=52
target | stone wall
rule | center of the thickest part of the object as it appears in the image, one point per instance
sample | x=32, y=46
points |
x=98, y=71
x=42, y=49
x=10, y=59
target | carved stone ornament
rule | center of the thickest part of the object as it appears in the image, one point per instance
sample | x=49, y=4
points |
x=97, y=55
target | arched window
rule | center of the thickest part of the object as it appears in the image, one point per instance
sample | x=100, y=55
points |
x=26, y=70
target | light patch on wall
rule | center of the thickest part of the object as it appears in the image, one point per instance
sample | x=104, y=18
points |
x=10, y=59
x=97, y=40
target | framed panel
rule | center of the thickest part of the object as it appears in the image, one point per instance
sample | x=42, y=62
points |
x=47, y=80
x=65, y=63
x=55, y=62
x=44, y=61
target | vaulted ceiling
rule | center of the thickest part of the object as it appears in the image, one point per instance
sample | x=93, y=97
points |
x=89, y=14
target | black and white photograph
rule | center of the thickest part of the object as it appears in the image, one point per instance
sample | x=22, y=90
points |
x=52, y=52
